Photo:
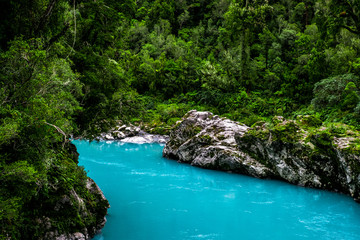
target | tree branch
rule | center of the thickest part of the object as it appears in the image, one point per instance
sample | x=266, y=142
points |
x=45, y=17
x=57, y=36
x=59, y=131
x=74, y=41
x=350, y=29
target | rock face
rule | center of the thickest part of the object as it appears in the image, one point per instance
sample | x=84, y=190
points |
x=96, y=210
x=286, y=152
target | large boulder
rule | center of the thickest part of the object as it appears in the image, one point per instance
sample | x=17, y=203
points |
x=206, y=140
x=294, y=151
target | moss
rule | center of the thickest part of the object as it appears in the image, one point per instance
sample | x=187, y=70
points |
x=279, y=130
x=262, y=134
x=197, y=129
x=220, y=137
x=172, y=121
x=206, y=139
x=321, y=139
x=309, y=121
x=286, y=132
x=260, y=130
x=160, y=130
x=338, y=129
x=354, y=147
x=277, y=120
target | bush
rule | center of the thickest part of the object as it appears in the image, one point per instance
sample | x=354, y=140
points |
x=351, y=97
x=330, y=92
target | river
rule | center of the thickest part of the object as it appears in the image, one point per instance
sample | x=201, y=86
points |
x=153, y=198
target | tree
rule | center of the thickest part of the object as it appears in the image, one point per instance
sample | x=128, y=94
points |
x=241, y=21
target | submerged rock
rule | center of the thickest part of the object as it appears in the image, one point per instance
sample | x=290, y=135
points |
x=285, y=151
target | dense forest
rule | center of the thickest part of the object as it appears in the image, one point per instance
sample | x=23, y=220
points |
x=76, y=67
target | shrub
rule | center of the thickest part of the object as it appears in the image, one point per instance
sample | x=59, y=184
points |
x=330, y=92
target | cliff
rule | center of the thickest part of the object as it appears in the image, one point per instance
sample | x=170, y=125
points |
x=301, y=152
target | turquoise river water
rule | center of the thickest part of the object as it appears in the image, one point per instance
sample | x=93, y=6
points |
x=153, y=198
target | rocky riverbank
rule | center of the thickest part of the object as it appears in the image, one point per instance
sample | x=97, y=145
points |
x=73, y=211
x=301, y=152
x=132, y=134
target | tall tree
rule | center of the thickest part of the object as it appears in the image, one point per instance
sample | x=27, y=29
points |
x=241, y=21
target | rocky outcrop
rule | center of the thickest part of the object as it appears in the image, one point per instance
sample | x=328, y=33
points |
x=293, y=151
x=73, y=211
x=94, y=211
x=208, y=141
x=143, y=137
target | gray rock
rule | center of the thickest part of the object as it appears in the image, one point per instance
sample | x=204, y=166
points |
x=132, y=134
x=208, y=141
x=75, y=236
x=143, y=137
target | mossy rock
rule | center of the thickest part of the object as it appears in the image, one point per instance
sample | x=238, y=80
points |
x=339, y=129
x=354, y=147
x=309, y=120
x=161, y=130
x=220, y=137
x=282, y=130
x=286, y=131
x=321, y=140
x=258, y=125
x=277, y=120
x=260, y=133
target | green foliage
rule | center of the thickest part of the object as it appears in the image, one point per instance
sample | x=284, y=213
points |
x=79, y=67
x=309, y=120
x=284, y=131
x=329, y=92
x=351, y=97
x=322, y=140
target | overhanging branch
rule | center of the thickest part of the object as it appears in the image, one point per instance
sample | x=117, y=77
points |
x=59, y=131
x=350, y=29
